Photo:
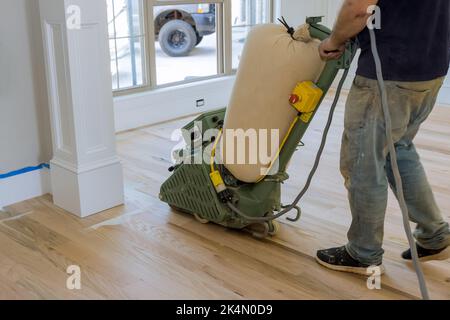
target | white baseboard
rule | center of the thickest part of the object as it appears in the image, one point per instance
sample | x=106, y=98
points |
x=24, y=187
x=83, y=193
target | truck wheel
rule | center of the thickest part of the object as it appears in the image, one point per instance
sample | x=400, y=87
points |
x=177, y=38
x=199, y=39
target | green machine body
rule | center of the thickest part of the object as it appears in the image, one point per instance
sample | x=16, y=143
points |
x=190, y=189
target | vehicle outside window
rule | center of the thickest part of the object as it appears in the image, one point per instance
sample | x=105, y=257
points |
x=186, y=42
x=181, y=28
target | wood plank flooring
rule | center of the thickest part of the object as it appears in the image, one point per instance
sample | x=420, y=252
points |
x=144, y=250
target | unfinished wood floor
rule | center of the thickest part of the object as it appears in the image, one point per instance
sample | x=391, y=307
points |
x=144, y=250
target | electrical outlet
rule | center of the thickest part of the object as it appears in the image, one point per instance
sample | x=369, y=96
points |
x=200, y=103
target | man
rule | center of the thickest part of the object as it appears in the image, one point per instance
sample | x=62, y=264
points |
x=413, y=43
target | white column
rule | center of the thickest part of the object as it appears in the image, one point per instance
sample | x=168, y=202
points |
x=86, y=173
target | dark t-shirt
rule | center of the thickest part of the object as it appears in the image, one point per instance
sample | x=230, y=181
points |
x=413, y=42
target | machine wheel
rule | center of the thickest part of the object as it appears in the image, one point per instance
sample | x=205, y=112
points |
x=177, y=38
x=259, y=230
x=200, y=219
x=274, y=228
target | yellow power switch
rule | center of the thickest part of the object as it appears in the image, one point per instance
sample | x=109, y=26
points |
x=305, y=98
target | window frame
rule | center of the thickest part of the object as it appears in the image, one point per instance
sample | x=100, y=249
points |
x=224, y=43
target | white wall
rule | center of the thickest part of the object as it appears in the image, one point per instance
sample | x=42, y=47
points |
x=296, y=11
x=25, y=138
x=24, y=127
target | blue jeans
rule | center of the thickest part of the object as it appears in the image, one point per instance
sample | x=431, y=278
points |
x=366, y=167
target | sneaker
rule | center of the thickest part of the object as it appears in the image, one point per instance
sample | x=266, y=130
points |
x=428, y=254
x=338, y=259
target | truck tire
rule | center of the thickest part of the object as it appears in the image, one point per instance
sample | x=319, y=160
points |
x=177, y=38
x=199, y=39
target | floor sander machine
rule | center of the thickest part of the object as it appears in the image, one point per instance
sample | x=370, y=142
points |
x=212, y=194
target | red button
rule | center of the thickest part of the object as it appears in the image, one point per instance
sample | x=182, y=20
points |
x=294, y=99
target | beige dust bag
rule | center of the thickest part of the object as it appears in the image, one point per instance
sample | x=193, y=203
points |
x=272, y=64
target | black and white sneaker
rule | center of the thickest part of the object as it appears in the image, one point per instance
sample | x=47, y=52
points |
x=428, y=254
x=338, y=259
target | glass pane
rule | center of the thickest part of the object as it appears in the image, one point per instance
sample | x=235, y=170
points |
x=245, y=15
x=129, y=62
x=110, y=9
x=186, y=45
x=126, y=43
x=126, y=18
x=114, y=71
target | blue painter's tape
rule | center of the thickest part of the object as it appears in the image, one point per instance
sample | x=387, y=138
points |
x=24, y=170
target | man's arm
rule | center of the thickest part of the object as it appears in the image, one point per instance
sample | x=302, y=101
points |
x=352, y=19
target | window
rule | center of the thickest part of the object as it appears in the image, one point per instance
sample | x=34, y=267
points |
x=245, y=15
x=127, y=43
x=165, y=42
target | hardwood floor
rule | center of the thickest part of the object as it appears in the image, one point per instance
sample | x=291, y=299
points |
x=144, y=250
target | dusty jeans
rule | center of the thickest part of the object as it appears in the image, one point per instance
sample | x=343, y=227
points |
x=365, y=165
